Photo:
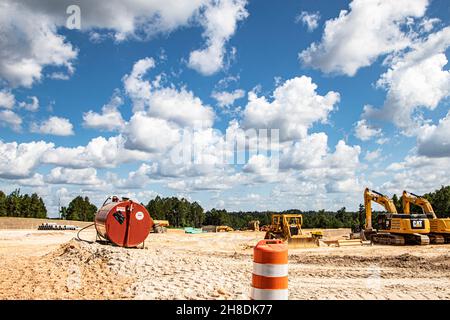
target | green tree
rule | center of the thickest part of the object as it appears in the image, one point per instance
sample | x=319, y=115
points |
x=80, y=209
x=398, y=203
x=2, y=204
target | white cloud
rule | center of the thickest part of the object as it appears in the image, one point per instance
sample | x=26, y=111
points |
x=55, y=126
x=86, y=176
x=365, y=132
x=310, y=20
x=136, y=179
x=373, y=155
x=98, y=153
x=10, y=119
x=296, y=106
x=178, y=106
x=181, y=107
x=220, y=20
x=150, y=134
x=428, y=24
x=418, y=174
x=30, y=43
x=36, y=180
x=227, y=99
x=19, y=160
x=32, y=106
x=415, y=80
x=433, y=141
x=357, y=37
x=306, y=153
x=110, y=119
x=137, y=88
x=7, y=99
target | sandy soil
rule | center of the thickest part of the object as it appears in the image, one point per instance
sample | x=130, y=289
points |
x=52, y=265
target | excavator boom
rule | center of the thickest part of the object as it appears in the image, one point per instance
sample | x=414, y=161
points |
x=385, y=201
x=409, y=197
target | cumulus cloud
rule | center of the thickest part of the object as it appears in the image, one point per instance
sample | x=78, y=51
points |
x=364, y=132
x=296, y=106
x=310, y=20
x=31, y=106
x=54, y=126
x=29, y=43
x=10, y=119
x=178, y=106
x=19, y=160
x=86, y=176
x=151, y=134
x=419, y=174
x=181, y=107
x=358, y=36
x=109, y=120
x=220, y=20
x=373, y=155
x=227, y=99
x=98, y=153
x=137, y=88
x=434, y=139
x=416, y=79
x=30, y=39
x=7, y=99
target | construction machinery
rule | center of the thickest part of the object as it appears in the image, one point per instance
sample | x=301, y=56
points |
x=288, y=227
x=224, y=229
x=394, y=228
x=253, y=225
x=160, y=226
x=439, y=227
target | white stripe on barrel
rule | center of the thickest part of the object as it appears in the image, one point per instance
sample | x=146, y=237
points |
x=263, y=294
x=270, y=270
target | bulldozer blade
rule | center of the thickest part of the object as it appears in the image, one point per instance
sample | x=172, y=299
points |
x=303, y=242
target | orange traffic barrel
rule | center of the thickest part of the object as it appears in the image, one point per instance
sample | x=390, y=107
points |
x=270, y=271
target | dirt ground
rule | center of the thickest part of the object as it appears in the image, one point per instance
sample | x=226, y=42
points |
x=53, y=265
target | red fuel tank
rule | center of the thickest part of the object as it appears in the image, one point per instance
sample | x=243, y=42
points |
x=123, y=222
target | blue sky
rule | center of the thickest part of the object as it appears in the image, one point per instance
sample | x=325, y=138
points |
x=112, y=98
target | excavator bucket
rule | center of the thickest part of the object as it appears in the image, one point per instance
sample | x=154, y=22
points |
x=303, y=242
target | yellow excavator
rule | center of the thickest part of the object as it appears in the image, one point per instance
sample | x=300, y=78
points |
x=394, y=228
x=288, y=227
x=439, y=227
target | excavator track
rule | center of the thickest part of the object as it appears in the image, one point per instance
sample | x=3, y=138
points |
x=400, y=240
x=419, y=239
x=388, y=239
x=438, y=239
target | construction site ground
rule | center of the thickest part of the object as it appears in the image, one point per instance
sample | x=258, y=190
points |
x=53, y=265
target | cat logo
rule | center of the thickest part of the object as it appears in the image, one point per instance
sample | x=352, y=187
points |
x=417, y=224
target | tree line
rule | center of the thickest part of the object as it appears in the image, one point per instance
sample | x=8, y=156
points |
x=183, y=213
x=22, y=205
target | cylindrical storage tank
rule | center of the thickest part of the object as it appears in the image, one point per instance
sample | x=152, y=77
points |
x=270, y=271
x=125, y=223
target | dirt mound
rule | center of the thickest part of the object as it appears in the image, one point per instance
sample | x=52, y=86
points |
x=76, y=270
x=401, y=261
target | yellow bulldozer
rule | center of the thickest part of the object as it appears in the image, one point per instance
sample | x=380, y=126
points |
x=288, y=227
x=439, y=227
x=394, y=228
x=253, y=225
x=224, y=229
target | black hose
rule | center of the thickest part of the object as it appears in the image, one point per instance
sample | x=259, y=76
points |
x=79, y=231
